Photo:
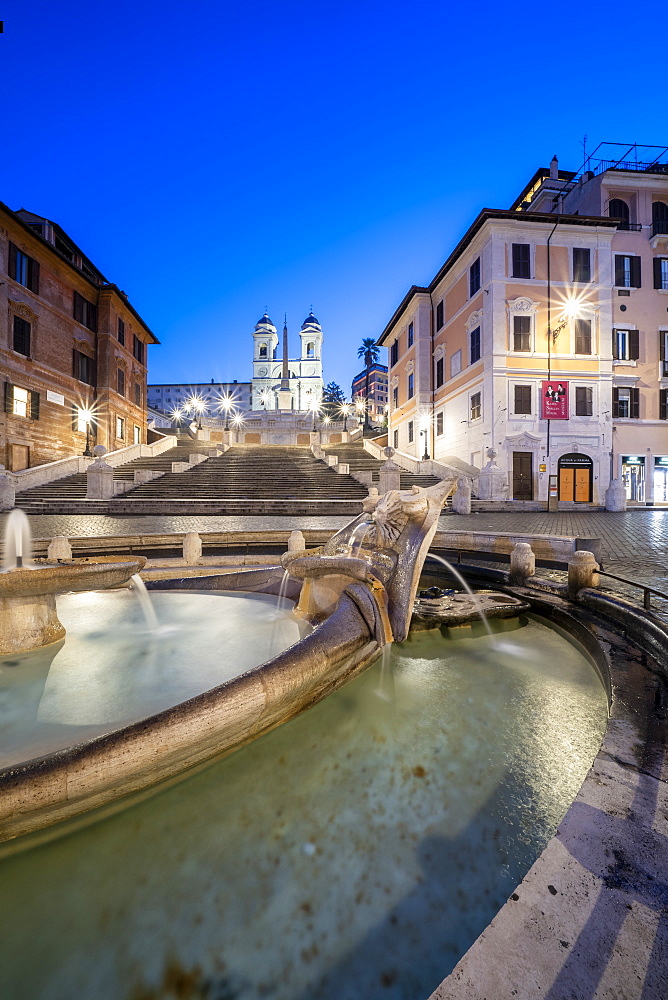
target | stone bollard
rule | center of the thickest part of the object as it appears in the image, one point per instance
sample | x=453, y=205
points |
x=461, y=498
x=99, y=477
x=522, y=564
x=296, y=542
x=7, y=489
x=389, y=477
x=615, y=496
x=59, y=548
x=192, y=548
x=582, y=572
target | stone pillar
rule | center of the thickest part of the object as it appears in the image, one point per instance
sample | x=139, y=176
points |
x=59, y=548
x=522, y=564
x=389, y=477
x=192, y=548
x=7, y=489
x=461, y=498
x=615, y=496
x=296, y=542
x=99, y=477
x=491, y=481
x=582, y=572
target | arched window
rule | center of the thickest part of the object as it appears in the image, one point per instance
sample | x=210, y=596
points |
x=310, y=350
x=262, y=353
x=618, y=209
x=659, y=218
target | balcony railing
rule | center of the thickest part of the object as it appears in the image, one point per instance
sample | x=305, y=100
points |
x=629, y=227
x=664, y=369
x=659, y=227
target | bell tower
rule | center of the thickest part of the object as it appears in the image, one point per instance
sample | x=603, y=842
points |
x=265, y=341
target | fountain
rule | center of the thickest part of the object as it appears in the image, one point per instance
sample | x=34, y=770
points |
x=28, y=617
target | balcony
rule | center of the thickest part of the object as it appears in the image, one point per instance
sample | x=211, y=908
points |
x=659, y=227
x=629, y=227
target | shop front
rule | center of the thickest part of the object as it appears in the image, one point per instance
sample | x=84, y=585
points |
x=576, y=477
x=661, y=479
x=633, y=477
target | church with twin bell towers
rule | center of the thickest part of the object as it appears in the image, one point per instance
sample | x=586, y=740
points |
x=284, y=383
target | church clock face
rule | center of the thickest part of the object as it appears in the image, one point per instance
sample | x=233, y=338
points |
x=262, y=372
x=310, y=370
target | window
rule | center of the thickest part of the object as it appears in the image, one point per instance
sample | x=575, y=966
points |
x=625, y=345
x=21, y=402
x=625, y=402
x=521, y=260
x=583, y=336
x=395, y=397
x=262, y=353
x=410, y=334
x=21, y=341
x=661, y=272
x=439, y=373
x=659, y=218
x=663, y=352
x=476, y=406
x=663, y=404
x=310, y=350
x=23, y=269
x=120, y=428
x=137, y=394
x=455, y=364
x=83, y=368
x=474, y=277
x=411, y=385
x=136, y=436
x=475, y=345
x=394, y=353
x=410, y=431
x=522, y=399
x=85, y=312
x=439, y=424
x=521, y=333
x=395, y=439
x=627, y=271
x=138, y=350
x=583, y=401
x=439, y=315
x=121, y=332
x=581, y=264
x=618, y=209
x=120, y=381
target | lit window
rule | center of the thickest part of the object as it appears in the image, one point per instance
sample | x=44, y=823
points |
x=476, y=406
x=23, y=269
x=120, y=428
x=625, y=345
x=21, y=400
x=439, y=424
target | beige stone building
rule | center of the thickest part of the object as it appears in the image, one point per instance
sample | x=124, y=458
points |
x=540, y=345
x=73, y=350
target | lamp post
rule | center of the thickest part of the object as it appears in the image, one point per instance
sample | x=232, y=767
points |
x=88, y=453
x=238, y=421
x=314, y=407
x=226, y=404
x=360, y=406
x=199, y=406
x=345, y=410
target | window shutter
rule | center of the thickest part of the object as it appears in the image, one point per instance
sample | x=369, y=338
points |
x=635, y=403
x=33, y=276
x=9, y=397
x=635, y=272
x=619, y=270
x=92, y=317
x=615, y=402
x=34, y=405
x=11, y=268
x=615, y=345
x=663, y=404
x=657, y=272
x=75, y=363
x=77, y=307
x=634, y=345
x=662, y=345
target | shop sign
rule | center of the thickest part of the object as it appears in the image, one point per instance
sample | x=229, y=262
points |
x=554, y=400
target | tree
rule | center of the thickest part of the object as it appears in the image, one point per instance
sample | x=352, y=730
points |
x=370, y=352
x=332, y=399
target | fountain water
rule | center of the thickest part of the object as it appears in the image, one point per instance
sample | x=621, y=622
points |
x=139, y=587
x=17, y=549
x=460, y=579
x=357, y=537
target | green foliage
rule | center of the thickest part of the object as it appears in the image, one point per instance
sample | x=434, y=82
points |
x=332, y=398
x=369, y=351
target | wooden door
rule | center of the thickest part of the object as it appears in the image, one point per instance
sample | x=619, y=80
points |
x=522, y=475
x=582, y=485
x=20, y=457
x=566, y=484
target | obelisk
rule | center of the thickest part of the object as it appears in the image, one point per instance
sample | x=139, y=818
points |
x=284, y=394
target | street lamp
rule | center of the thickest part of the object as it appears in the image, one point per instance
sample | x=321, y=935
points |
x=314, y=407
x=226, y=404
x=176, y=415
x=86, y=415
x=346, y=409
x=238, y=421
x=199, y=406
x=265, y=396
x=360, y=406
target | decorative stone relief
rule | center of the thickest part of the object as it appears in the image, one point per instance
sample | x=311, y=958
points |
x=524, y=440
x=474, y=320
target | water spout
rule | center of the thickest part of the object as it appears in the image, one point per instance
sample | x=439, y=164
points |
x=145, y=602
x=282, y=599
x=460, y=579
x=17, y=548
x=357, y=537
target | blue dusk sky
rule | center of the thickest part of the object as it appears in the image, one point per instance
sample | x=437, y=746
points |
x=214, y=158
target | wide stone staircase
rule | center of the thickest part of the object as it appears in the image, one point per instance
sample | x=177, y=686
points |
x=358, y=459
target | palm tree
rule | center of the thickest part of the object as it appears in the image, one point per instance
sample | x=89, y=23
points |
x=370, y=352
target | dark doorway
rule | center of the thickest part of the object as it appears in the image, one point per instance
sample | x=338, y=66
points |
x=522, y=475
x=576, y=477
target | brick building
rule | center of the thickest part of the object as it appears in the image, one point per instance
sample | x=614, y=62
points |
x=73, y=350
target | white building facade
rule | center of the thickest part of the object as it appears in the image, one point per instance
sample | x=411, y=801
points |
x=304, y=373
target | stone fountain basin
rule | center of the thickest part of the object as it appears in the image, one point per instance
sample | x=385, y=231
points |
x=71, y=575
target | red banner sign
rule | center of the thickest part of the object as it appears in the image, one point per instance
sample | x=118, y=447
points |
x=554, y=400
